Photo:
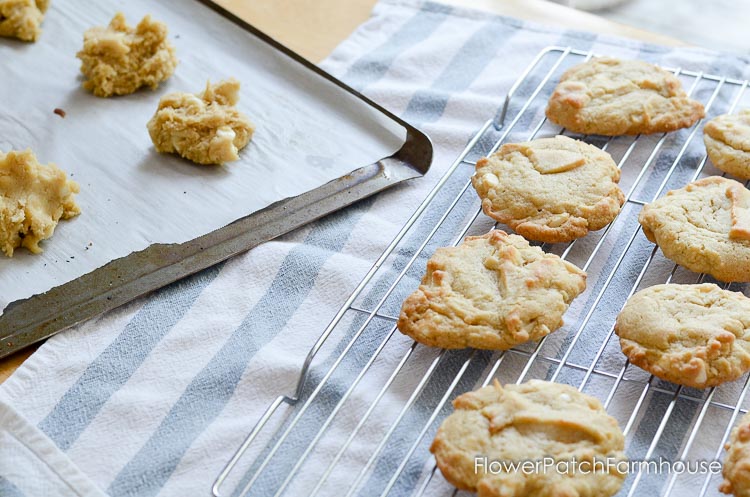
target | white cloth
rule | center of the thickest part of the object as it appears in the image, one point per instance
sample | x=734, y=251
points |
x=30, y=464
x=154, y=397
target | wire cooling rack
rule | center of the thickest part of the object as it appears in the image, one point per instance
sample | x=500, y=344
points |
x=369, y=400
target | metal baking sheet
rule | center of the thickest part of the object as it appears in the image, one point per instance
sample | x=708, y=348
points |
x=148, y=219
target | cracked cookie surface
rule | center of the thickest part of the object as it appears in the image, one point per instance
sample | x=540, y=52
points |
x=692, y=335
x=205, y=128
x=704, y=226
x=491, y=292
x=727, y=140
x=119, y=59
x=529, y=422
x=612, y=97
x=33, y=198
x=22, y=19
x=736, y=465
x=551, y=189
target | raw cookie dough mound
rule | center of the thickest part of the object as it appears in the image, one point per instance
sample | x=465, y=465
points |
x=530, y=422
x=692, y=335
x=736, y=470
x=33, y=198
x=727, y=140
x=552, y=189
x=614, y=97
x=22, y=18
x=118, y=60
x=704, y=227
x=491, y=292
x=206, y=128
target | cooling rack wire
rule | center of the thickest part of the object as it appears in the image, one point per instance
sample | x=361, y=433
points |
x=417, y=383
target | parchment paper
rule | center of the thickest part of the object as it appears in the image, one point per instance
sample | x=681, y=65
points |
x=308, y=132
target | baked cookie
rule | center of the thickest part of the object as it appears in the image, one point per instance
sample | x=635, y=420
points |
x=530, y=422
x=704, y=227
x=118, y=60
x=551, y=190
x=727, y=140
x=491, y=292
x=205, y=128
x=22, y=19
x=33, y=198
x=692, y=335
x=736, y=467
x=613, y=97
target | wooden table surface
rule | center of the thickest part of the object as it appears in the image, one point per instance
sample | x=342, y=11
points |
x=313, y=28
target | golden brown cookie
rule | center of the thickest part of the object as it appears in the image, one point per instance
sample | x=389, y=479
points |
x=528, y=423
x=551, y=190
x=704, y=227
x=612, y=97
x=22, y=19
x=736, y=470
x=118, y=60
x=491, y=292
x=692, y=335
x=205, y=128
x=33, y=198
x=727, y=140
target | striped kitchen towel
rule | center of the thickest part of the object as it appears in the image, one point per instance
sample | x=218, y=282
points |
x=153, y=398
